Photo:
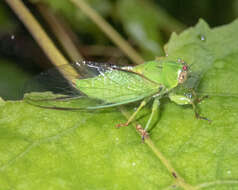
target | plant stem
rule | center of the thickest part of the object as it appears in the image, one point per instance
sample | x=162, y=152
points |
x=38, y=33
x=59, y=29
x=178, y=179
x=109, y=31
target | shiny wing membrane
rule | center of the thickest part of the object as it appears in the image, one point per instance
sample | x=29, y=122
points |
x=92, y=86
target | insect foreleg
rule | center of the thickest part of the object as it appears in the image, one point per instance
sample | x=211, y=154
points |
x=185, y=100
x=201, y=99
x=197, y=115
x=155, y=106
x=198, y=100
x=194, y=105
x=142, y=104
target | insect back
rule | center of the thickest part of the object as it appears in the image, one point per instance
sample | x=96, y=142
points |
x=114, y=85
x=166, y=73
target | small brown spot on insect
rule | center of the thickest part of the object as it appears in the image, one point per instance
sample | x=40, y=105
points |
x=174, y=174
x=183, y=75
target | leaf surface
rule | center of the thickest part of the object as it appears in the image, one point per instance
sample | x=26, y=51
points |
x=52, y=149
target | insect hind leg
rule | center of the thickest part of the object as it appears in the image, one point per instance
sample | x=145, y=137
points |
x=142, y=104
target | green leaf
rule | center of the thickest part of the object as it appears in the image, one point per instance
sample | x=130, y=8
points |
x=143, y=23
x=77, y=19
x=11, y=86
x=6, y=22
x=52, y=149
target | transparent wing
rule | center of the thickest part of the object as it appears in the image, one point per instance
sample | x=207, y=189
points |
x=98, y=85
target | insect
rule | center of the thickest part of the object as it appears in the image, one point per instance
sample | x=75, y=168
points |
x=102, y=85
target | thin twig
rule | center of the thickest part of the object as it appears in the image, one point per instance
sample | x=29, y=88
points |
x=38, y=33
x=62, y=35
x=109, y=31
x=179, y=180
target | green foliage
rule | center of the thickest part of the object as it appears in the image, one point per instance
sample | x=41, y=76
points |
x=79, y=21
x=143, y=21
x=51, y=149
x=11, y=86
x=5, y=20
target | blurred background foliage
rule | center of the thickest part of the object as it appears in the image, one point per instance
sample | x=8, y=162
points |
x=145, y=24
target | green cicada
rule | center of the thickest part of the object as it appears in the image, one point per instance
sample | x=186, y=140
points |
x=102, y=85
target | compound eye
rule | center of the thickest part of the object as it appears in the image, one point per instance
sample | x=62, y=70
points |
x=185, y=68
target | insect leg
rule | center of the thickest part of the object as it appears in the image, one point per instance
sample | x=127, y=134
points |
x=194, y=102
x=144, y=134
x=198, y=100
x=155, y=106
x=197, y=115
x=202, y=98
x=142, y=104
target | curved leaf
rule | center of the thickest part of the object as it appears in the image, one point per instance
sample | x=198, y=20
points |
x=51, y=149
